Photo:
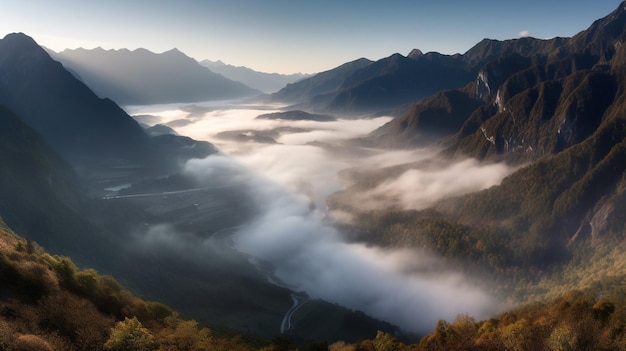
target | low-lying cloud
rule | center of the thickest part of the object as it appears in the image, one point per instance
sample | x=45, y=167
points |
x=420, y=188
x=289, y=183
x=410, y=288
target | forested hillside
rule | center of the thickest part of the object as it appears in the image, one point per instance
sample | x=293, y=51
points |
x=555, y=112
x=48, y=303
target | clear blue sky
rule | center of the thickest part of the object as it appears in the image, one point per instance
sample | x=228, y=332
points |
x=290, y=36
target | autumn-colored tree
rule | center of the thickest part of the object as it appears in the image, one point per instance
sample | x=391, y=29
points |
x=180, y=335
x=563, y=338
x=75, y=318
x=385, y=342
x=341, y=346
x=603, y=309
x=130, y=335
x=30, y=343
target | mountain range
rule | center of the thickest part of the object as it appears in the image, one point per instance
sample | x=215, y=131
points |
x=141, y=77
x=535, y=97
x=265, y=82
x=553, y=110
x=86, y=130
x=366, y=87
x=556, y=110
x=363, y=86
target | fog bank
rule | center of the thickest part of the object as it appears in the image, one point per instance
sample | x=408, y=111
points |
x=420, y=188
x=289, y=181
x=409, y=288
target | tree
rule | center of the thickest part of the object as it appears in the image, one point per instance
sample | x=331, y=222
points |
x=130, y=335
x=563, y=338
x=31, y=343
x=385, y=342
x=603, y=309
x=182, y=335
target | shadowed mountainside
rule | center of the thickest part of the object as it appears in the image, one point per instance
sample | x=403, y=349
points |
x=167, y=237
x=90, y=132
x=141, y=77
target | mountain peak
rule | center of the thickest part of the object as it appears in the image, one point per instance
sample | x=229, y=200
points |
x=17, y=36
x=21, y=46
x=174, y=51
x=415, y=53
x=604, y=36
x=21, y=41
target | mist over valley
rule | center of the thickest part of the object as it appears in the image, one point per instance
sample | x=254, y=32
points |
x=289, y=181
x=159, y=199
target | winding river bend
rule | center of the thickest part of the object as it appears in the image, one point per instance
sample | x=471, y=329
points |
x=299, y=299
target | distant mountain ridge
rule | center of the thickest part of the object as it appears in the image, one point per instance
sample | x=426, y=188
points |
x=265, y=82
x=141, y=77
x=389, y=83
x=71, y=118
x=86, y=130
x=364, y=86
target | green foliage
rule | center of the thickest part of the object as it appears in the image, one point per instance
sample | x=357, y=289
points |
x=71, y=309
x=158, y=311
x=385, y=342
x=130, y=335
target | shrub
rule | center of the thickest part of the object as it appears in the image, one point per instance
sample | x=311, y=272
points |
x=130, y=335
x=31, y=343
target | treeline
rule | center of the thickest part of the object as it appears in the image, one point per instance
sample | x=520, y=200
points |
x=589, y=320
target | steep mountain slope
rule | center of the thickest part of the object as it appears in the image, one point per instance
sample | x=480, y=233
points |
x=317, y=88
x=39, y=192
x=563, y=116
x=397, y=80
x=48, y=303
x=439, y=115
x=603, y=38
x=363, y=86
x=86, y=130
x=141, y=77
x=539, y=96
x=265, y=82
x=548, y=107
x=63, y=110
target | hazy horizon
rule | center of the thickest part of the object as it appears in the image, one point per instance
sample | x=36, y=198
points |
x=288, y=37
